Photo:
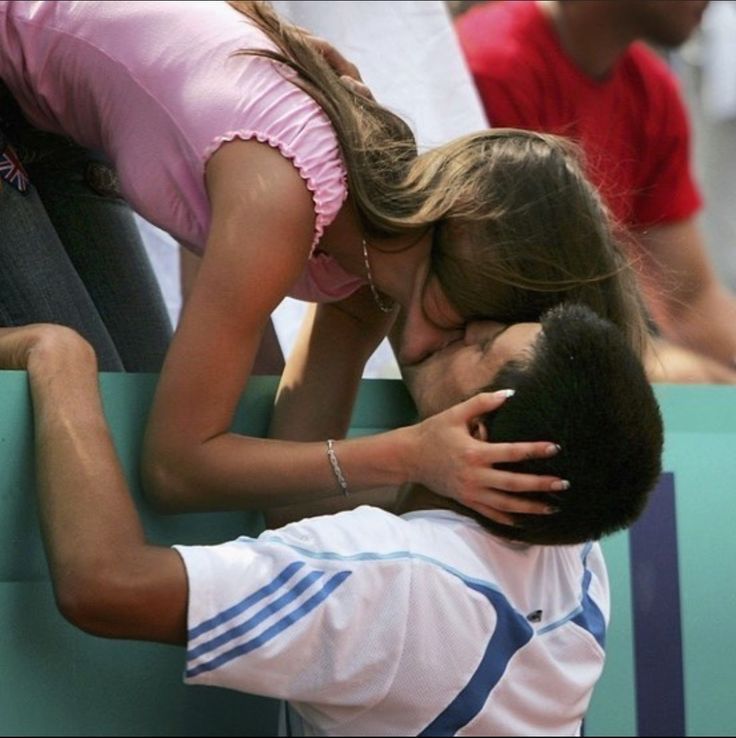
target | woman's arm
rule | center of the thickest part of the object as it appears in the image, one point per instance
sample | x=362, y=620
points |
x=261, y=231
x=320, y=381
x=263, y=223
x=317, y=392
x=262, y=228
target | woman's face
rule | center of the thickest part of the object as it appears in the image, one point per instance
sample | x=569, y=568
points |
x=429, y=322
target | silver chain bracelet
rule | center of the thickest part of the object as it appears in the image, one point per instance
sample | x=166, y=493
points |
x=335, y=464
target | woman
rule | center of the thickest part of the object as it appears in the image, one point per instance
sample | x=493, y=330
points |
x=335, y=208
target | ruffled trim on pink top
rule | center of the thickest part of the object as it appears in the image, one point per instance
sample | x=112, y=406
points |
x=319, y=163
x=328, y=192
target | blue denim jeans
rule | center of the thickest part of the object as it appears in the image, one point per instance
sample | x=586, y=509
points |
x=70, y=252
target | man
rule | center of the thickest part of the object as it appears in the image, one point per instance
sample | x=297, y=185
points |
x=371, y=623
x=579, y=69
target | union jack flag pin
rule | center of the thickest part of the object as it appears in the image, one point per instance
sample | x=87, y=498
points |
x=11, y=170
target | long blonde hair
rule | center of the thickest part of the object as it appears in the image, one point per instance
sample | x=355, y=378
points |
x=524, y=230
x=518, y=226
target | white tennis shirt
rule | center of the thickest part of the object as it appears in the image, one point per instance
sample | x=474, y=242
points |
x=373, y=624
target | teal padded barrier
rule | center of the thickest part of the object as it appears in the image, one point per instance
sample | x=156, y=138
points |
x=55, y=680
x=700, y=455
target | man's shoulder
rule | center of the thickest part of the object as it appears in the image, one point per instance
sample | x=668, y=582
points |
x=500, y=18
x=348, y=533
x=496, y=36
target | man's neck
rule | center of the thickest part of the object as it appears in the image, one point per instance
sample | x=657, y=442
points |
x=591, y=34
x=416, y=497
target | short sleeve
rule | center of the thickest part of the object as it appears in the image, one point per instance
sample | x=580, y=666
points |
x=312, y=148
x=280, y=617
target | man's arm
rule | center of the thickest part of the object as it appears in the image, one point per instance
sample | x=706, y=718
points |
x=687, y=301
x=674, y=364
x=107, y=579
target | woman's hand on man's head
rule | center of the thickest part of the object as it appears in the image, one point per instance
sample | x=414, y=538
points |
x=452, y=459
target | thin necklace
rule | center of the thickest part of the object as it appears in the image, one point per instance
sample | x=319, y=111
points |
x=382, y=306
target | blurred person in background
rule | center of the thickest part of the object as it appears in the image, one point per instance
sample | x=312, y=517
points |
x=580, y=69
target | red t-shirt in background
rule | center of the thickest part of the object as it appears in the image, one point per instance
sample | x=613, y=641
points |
x=632, y=125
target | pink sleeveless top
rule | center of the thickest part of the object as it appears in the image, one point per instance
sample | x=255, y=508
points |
x=157, y=87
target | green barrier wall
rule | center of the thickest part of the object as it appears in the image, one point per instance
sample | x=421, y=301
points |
x=55, y=680
x=700, y=455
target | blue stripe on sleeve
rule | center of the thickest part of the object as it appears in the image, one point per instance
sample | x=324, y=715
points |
x=273, y=607
x=245, y=603
x=288, y=620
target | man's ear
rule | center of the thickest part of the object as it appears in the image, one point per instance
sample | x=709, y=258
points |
x=478, y=429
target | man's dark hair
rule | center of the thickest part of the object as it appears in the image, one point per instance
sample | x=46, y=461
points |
x=585, y=389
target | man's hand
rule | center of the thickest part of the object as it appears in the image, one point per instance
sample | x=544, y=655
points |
x=30, y=346
x=107, y=579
